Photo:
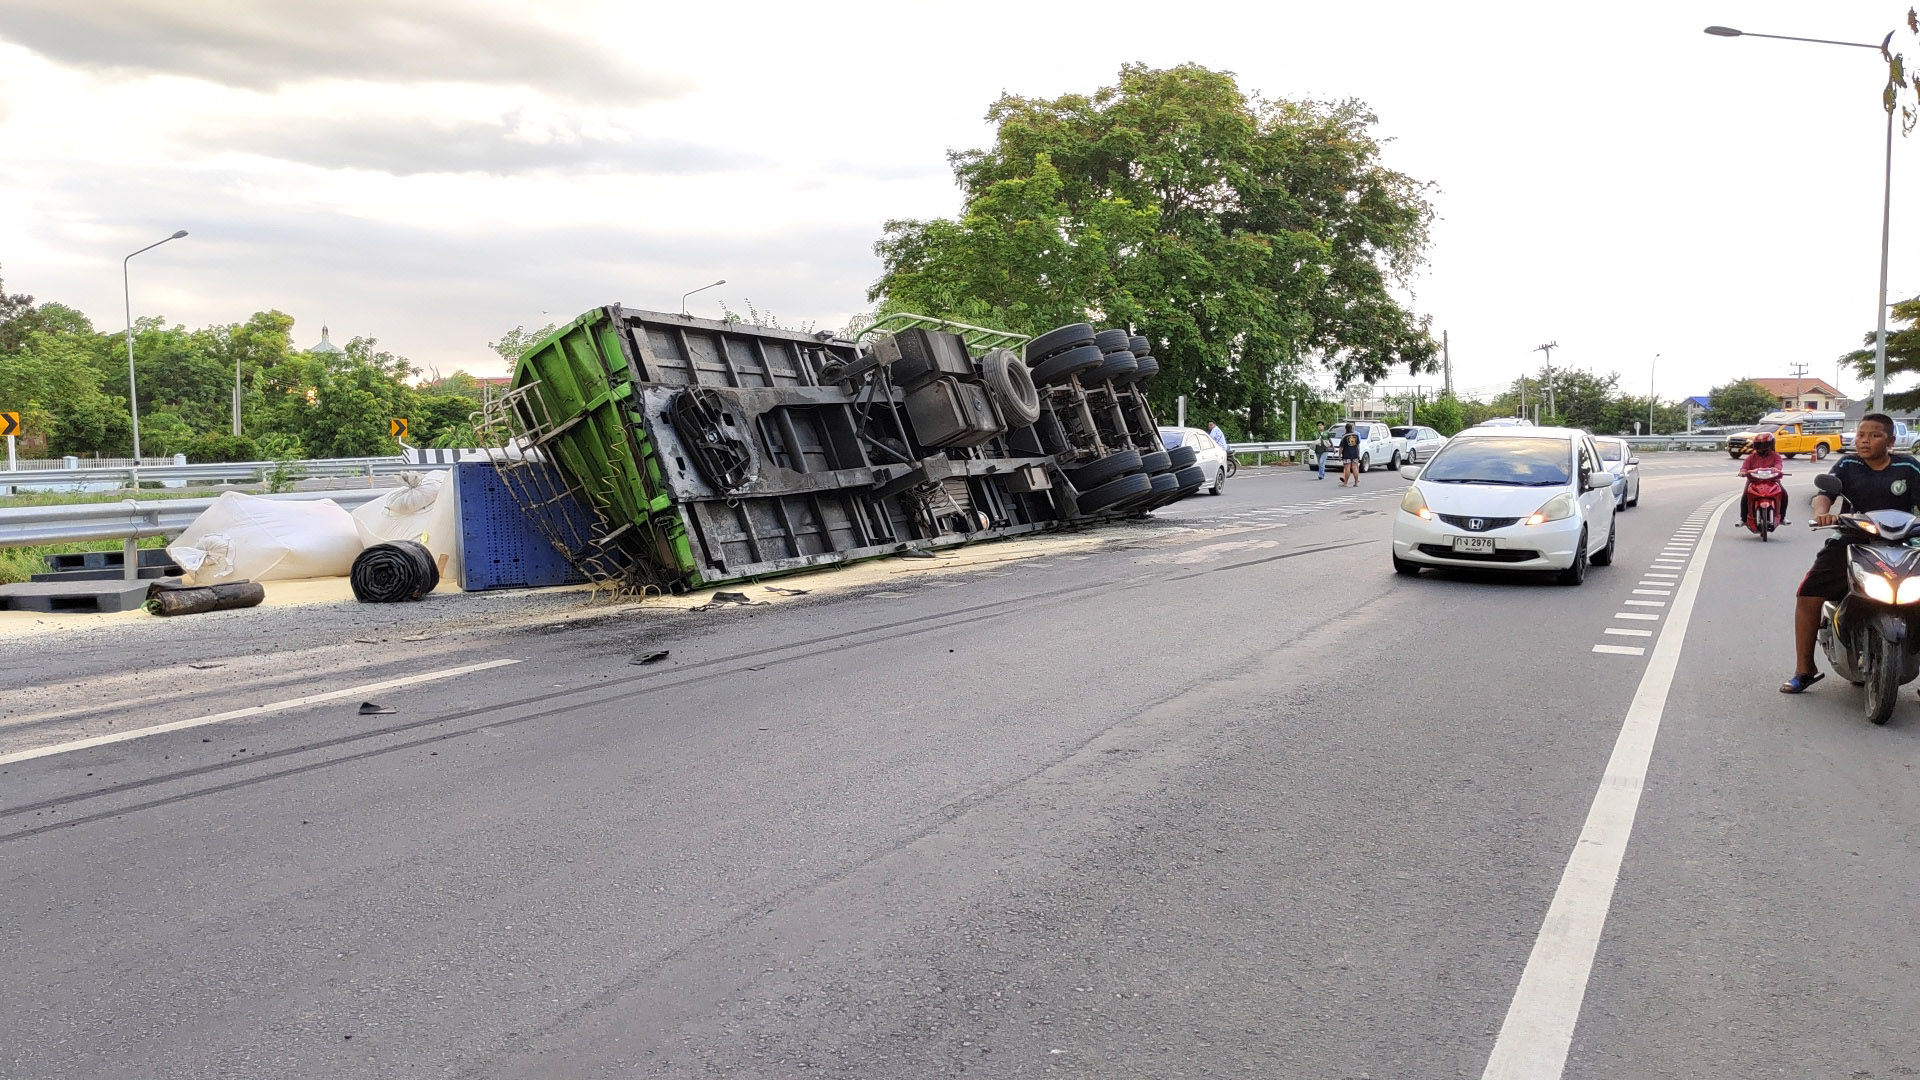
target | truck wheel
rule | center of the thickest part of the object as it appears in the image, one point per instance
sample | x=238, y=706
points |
x=1819, y=451
x=1157, y=462
x=1125, y=489
x=1113, y=341
x=1394, y=465
x=1055, y=369
x=1107, y=468
x=1181, y=457
x=1012, y=387
x=1055, y=342
x=1191, y=479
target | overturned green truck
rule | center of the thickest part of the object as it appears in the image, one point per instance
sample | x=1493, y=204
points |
x=661, y=453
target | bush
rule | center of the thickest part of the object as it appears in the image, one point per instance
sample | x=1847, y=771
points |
x=215, y=447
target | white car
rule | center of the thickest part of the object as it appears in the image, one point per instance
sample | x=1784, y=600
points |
x=1206, y=453
x=1509, y=498
x=1379, y=447
x=1422, y=442
x=1618, y=457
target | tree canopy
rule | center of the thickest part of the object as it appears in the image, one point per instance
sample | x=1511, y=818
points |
x=1903, y=354
x=1739, y=402
x=1248, y=239
x=69, y=383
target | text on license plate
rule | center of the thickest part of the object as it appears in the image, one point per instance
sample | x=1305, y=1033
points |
x=1475, y=544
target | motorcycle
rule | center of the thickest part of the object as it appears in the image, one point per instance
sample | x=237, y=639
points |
x=1765, y=500
x=1872, y=636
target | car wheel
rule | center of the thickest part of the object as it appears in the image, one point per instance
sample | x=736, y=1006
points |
x=1819, y=451
x=1402, y=566
x=1219, y=481
x=1393, y=465
x=1364, y=462
x=1604, y=557
x=1577, y=573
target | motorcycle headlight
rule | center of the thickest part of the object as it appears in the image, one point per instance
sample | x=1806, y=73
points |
x=1558, y=508
x=1875, y=586
x=1908, y=592
x=1415, y=503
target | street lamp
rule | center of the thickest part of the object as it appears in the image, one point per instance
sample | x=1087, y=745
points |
x=1654, y=368
x=690, y=292
x=1886, y=208
x=133, y=392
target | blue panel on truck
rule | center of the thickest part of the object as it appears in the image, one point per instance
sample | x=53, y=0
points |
x=501, y=549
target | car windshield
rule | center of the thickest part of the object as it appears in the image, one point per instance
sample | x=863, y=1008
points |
x=1170, y=438
x=1510, y=462
x=1611, y=451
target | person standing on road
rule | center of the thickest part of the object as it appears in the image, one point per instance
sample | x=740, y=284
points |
x=1219, y=437
x=1871, y=478
x=1322, y=446
x=1349, y=457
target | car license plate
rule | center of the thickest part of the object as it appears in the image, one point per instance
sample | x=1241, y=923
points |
x=1477, y=545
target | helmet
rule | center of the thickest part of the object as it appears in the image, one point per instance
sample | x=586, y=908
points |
x=1763, y=442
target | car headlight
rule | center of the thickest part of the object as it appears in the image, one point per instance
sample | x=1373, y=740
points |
x=1558, y=508
x=1875, y=586
x=1415, y=503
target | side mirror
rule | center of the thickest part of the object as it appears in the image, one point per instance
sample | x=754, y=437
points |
x=1633, y=461
x=1411, y=472
x=1596, y=481
x=1827, y=484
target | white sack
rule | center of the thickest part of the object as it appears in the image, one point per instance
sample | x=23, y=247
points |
x=247, y=538
x=422, y=508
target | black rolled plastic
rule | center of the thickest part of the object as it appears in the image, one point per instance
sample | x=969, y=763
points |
x=393, y=572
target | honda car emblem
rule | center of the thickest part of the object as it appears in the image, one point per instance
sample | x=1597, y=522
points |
x=1476, y=524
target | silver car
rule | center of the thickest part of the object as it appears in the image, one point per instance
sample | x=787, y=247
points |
x=1422, y=442
x=1618, y=458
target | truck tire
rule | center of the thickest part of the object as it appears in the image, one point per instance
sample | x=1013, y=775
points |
x=1059, y=340
x=1165, y=490
x=1113, y=367
x=1139, y=345
x=1106, y=469
x=1146, y=367
x=1182, y=457
x=1114, y=492
x=1113, y=341
x=1011, y=386
x=1156, y=462
x=1191, y=479
x=1819, y=451
x=1057, y=369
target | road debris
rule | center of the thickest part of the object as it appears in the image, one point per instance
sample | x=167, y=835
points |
x=368, y=708
x=649, y=658
x=394, y=572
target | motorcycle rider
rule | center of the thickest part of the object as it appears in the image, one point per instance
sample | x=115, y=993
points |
x=1761, y=455
x=1871, y=478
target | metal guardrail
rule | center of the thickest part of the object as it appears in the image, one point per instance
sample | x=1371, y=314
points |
x=1676, y=442
x=211, y=471
x=128, y=519
x=1260, y=450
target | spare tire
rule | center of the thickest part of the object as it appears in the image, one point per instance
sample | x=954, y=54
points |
x=1115, y=367
x=1156, y=462
x=1191, y=479
x=393, y=572
x=1181, y=457
x=1112, y=340
x=1056, y=369
x=1057, y=341
x=1011, y=386
x=1115, y=464
x=1114, y=492
x=1139, y=345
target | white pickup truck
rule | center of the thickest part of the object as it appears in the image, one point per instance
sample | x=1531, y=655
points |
x=1380, y=448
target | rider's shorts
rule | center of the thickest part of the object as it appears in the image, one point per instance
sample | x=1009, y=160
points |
x=1827, y=579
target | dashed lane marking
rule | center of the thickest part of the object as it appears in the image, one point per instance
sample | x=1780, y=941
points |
x=1620, y=650
x=1624, y=632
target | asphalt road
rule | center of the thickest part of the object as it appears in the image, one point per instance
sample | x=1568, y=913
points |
x=1221, y=796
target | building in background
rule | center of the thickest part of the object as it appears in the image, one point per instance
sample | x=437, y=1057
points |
x=1805, y=393
x=1696, y=407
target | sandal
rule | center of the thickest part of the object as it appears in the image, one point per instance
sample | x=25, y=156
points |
x=1800, y=681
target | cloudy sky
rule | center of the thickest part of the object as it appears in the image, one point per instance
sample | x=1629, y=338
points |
x=435, y=172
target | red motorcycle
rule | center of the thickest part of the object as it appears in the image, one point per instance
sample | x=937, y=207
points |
x=1766, y=501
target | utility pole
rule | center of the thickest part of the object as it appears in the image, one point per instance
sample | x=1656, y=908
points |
x=1799, y=377
x=1651, y=370
x=1446, y=362
x=1548, y=349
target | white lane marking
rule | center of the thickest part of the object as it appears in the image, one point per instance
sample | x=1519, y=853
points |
x=1658, y=573
x=1539, y=1026
x=1634, y=615
x=1644, y=603
x=1620, y=650
x=1655, y=591
x=1622, y=632
x=251, y=710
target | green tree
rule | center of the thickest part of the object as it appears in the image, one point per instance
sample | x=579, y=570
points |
x=1903, y=354
x=1739, y=402
x=517, y=341
x=1444, y=414
x=1248, y=238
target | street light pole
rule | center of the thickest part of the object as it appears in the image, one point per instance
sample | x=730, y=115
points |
x=1886, y=208
x=133, y=391
x=1651, y=370
x=690, y=292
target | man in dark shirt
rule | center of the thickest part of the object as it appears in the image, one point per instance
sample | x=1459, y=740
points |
x=1350, y=457
x=1871, y=478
